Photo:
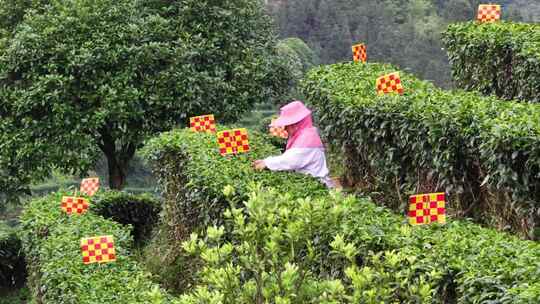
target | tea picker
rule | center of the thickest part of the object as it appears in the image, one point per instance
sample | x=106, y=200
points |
x=305, y=152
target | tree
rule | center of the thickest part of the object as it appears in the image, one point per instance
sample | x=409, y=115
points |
x=103, y=75
x=306, y=56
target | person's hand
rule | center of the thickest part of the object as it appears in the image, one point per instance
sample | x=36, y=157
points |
x=259, y=165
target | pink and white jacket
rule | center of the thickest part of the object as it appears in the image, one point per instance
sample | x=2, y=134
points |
x=304, y=153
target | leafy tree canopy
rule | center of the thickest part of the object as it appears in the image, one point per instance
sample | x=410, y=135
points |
x=86, y=76
x=308, y=58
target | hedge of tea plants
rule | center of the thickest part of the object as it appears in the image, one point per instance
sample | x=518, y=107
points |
x=192, y=175
x=485, y=153
x=335, y=249
x=140, y=211
x=291, y=241
x=51, y=243
x=499, y=58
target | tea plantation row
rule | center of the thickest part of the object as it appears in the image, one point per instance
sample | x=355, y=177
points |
x=500, y=58
x=51, y=244
x=290, y=218
x=483, y=151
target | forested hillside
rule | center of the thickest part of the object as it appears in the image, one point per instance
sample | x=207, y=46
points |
x=403, y=32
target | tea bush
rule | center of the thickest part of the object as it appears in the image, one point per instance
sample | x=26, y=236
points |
x=12, y=266
x=263, y=128
x=335, y=249
x=190, y=162
x=139, y=211
x=482, y=151
x=192, y=174
x=275, y=249
x=51, y=243
x=500, y=58
x=293, y=242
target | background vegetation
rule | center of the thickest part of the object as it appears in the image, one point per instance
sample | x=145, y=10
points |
x=402, y=32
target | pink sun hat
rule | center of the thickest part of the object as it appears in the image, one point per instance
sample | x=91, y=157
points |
x=290, y=114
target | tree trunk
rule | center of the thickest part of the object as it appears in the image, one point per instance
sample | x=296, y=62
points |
x=117, y=173
x=118, y=158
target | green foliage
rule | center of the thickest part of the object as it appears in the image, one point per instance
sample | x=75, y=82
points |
x=497, y=58
x=306, y=55
x=18, y=296
x=12, y=266
x=292, y=59
x=51, y=243
x=192, y=174
x=335, y=249
x=84, y=76
x=298, y=58
x=483, y=152
x=12, y=13
x=275, y=249
x=323, y=247
x=139, y=211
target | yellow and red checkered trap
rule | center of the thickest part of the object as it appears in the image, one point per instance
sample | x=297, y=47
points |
x=489, y=13
x=427, y=208
x=233, y=141
x=99, y=249
x=77, y=205
x=390, y=83
x=359, y=53
x=278, y=131
x=204, y=123
x=89, y=186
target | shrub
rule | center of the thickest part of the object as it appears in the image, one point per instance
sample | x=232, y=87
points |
x=348, y=249
x=189, y=161
x=192, y=174
x=500, y=58
x=139, y=211
x=12, y=266
x=275, y=250
x=306, y=56
x=17, y=296
x=482, y=151
x=335, y=249
x=51, y=243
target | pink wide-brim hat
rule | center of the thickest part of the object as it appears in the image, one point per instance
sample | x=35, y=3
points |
x=290, y=114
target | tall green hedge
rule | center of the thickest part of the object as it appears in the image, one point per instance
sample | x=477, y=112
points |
x=189, y=164
x=192, y=175
x=484, y=152
x=459, y=262
x=51, y=243
x=500, y=58
x=140, y=211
